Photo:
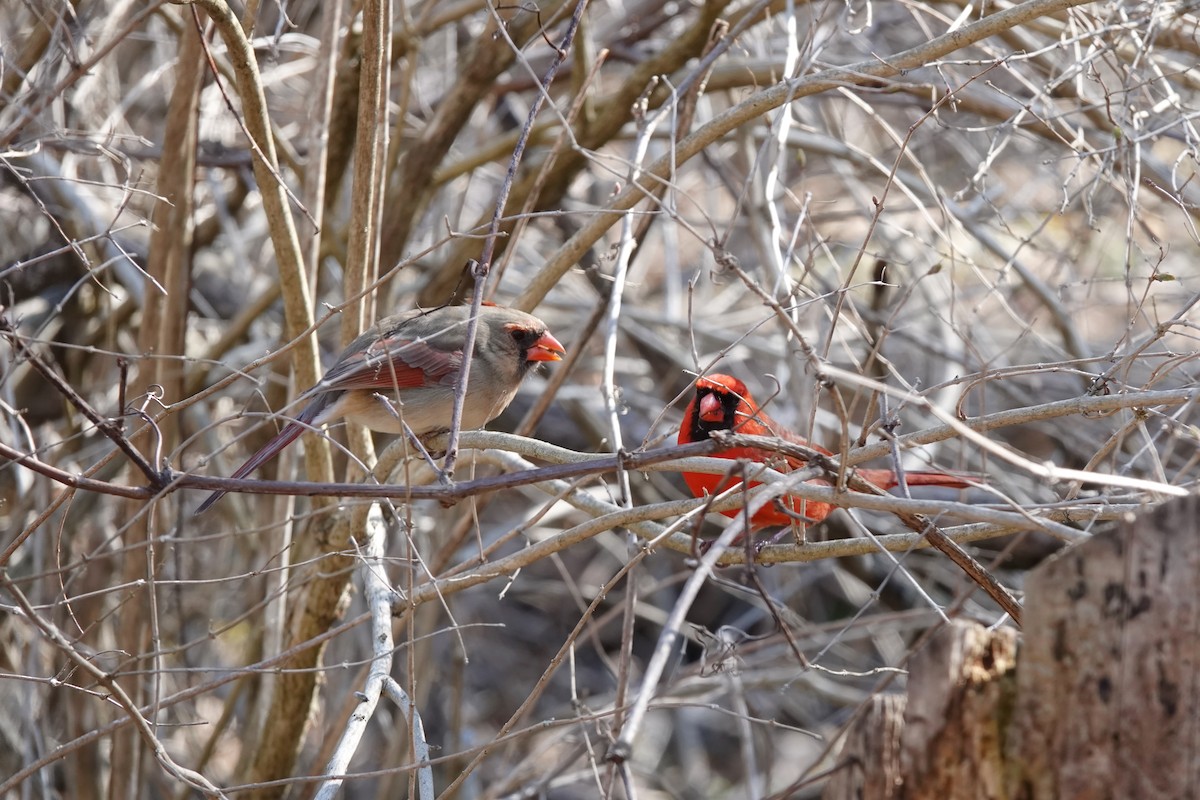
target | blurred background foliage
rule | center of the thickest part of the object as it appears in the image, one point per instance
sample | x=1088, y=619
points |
x=989, y=224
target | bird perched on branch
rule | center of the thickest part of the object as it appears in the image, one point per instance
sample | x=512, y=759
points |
x=402, y=372
x=723, y=403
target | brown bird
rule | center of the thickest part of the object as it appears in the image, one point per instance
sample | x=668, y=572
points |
x=723, y=403
x=403, y=370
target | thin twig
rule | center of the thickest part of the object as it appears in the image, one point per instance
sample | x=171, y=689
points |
x=481, y=268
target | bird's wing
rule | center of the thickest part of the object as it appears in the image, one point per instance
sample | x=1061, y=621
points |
x=394, y=363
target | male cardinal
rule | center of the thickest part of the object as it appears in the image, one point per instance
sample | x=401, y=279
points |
x=403, y=370
x=723, y=403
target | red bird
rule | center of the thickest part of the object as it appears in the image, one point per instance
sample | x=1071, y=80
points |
x=402, y=373
x=723, y=403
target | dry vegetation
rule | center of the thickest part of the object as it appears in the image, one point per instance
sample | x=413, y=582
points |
x=972, y=232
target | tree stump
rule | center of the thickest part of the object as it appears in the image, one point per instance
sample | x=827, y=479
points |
x=946, y=740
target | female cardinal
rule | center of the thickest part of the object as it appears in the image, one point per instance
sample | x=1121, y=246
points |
x=723, y=403
x=403, y=370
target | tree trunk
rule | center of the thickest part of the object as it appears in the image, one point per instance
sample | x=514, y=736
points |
x=1102, y=701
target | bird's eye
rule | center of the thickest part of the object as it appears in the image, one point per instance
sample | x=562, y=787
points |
x=521, y=335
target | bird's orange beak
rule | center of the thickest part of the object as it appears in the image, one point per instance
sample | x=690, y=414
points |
x=546, y=348
x=711, y=409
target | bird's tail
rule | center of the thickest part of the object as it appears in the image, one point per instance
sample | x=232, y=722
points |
x=289, y=434
x=887, y=479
